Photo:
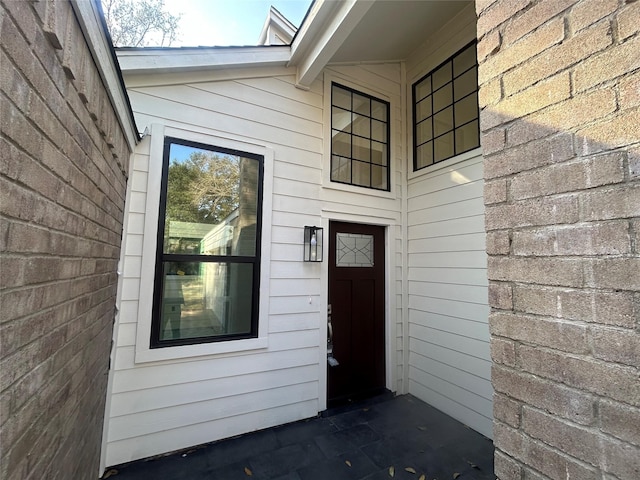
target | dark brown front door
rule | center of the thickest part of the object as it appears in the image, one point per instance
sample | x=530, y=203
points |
x=357, y=305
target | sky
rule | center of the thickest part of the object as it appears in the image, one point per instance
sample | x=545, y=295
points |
x=228, y=22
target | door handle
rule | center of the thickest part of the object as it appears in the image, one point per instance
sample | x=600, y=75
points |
x=331, y=360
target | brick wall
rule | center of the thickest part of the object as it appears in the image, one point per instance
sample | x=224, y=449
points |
x=63, y=158
x=560, y=121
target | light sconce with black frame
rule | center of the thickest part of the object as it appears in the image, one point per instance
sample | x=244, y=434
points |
x=312, y=244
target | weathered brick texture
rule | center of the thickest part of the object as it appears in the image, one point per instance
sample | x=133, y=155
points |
x=559, y=119
x=63, y=158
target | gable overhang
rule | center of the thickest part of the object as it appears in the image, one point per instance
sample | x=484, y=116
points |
x=332, y=32
x=366, y=31
x=325, y=29
x=278, y=24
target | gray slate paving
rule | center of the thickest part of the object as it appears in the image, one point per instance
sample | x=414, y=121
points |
x=358, y=442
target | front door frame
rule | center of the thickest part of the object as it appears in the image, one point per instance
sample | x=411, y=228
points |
x=391, y=232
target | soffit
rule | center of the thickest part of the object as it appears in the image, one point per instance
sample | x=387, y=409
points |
x=392, y=29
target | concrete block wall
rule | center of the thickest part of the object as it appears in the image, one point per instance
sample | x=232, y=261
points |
x=560, y=127
x=63, y=164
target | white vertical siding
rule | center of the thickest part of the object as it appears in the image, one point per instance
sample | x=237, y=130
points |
x=449, y=358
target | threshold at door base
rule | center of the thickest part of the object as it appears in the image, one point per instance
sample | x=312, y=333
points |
x=345, y=404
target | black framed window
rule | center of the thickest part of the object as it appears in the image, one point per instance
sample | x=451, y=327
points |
x=208, y=257
x=359, y=139
x=445, y=110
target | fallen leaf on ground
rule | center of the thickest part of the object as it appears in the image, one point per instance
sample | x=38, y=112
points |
x=422, y=477
x=347, y=462
x=455, y=475
x=410, y=469
x=422, y=428
x=248, y=472
x=110, y=473
x=392, y=471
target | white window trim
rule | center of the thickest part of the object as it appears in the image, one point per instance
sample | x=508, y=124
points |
x=329, y=78
x=439, y=56
x=448, y=163
x=143, y=353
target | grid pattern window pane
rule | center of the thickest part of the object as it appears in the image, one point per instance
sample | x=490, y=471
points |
x=362, y=174
x=445, y=110
x=208, y=260
x=359, y=139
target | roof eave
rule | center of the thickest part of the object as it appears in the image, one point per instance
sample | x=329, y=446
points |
x=169, y=60
x=325, y=27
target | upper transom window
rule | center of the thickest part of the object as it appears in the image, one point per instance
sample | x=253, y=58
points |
x=445, y=110
x=359, y=139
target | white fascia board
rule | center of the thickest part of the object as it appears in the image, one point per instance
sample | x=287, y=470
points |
x=276, y=20
x=262, y=39
x=89, y=18
x=281, y=22
x=328, y=25
x=165, y=60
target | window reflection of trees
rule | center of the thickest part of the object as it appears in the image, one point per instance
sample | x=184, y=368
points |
x=211, y=210
x=202, y=191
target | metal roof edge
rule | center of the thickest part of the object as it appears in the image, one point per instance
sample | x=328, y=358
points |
x=166, y=59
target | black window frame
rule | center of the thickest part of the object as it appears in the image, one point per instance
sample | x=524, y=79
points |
x=430, y=117
x=351, y=158
x=161, y=257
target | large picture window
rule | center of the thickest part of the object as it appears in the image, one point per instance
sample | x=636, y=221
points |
x=445, y=110
x=208, y=257
x=359, y=139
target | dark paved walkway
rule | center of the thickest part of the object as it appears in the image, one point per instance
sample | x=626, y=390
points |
x=357, y=444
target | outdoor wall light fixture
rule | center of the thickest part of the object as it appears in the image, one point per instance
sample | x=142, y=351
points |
x=312, y=244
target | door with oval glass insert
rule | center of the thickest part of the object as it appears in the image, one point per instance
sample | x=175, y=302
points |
x=357, y=305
